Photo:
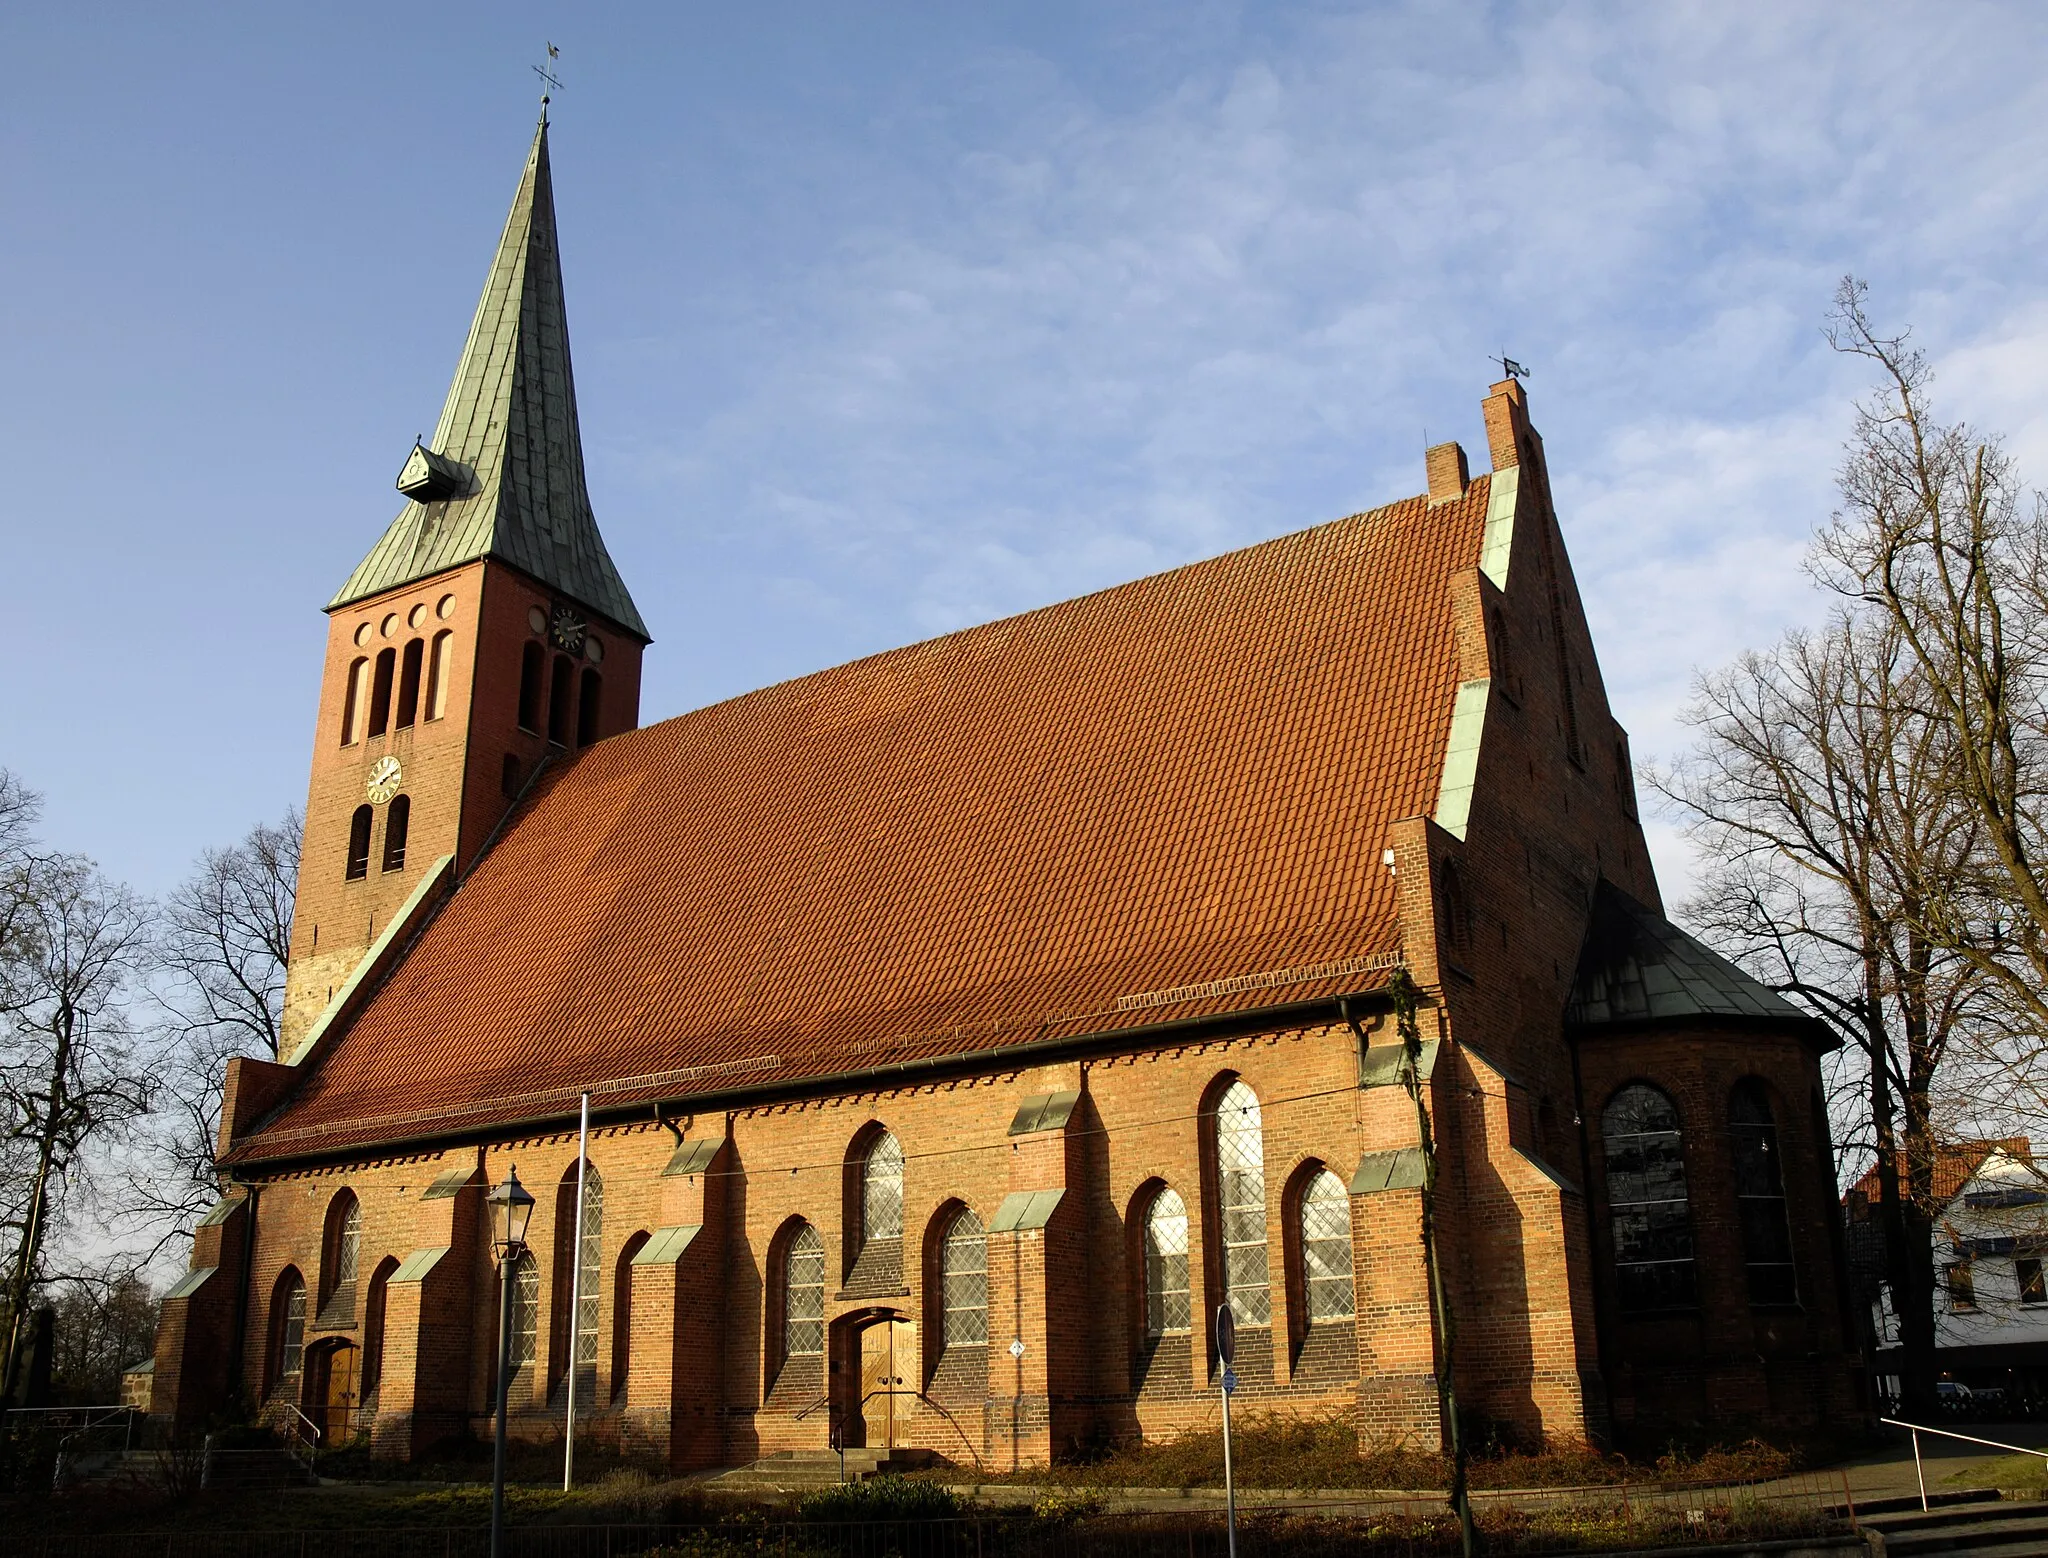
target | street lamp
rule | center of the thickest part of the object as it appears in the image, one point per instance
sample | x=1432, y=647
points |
x=510, y=1205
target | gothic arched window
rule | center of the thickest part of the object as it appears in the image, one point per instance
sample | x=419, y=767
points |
x=963, y=1282
x=1647, y=1205
x=373, y=1324
x=881, y=1190
x=803, y=1295
x=579, y=1259
x=1760, y=1196
x=1166, y=1266
x=622, y=1312
x=1326, y=1249
x=525, y=1309
x=530, y=663
x=344, y=1244
x=288, y=1335
x=359, y=844
x=397, y=824
x=1241, y=1203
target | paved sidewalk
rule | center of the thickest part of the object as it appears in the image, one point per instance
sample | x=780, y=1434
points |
x=1888, y=1473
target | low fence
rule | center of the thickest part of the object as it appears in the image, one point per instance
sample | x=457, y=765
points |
x=1370, y=1526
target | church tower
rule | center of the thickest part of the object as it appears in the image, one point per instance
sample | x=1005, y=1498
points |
x=486, y=636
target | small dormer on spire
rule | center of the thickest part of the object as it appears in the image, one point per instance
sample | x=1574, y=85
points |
x=502, y=476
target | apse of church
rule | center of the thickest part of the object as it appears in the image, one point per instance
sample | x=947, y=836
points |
x=965, y=1027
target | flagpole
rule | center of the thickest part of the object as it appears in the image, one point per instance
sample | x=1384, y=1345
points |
x=576, y=1299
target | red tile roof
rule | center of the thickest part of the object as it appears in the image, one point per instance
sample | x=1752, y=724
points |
x=1160, y=801
x=1954, y=1165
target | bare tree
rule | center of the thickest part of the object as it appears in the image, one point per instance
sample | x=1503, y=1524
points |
x=222, y=944
x=106, y=1321
x=1933, y=536
x=1822, y=789
x=69, y=1073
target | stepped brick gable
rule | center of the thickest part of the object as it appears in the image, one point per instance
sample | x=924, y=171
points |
x=966, y=1026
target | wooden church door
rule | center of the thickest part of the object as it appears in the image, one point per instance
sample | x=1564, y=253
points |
x=888, y=1360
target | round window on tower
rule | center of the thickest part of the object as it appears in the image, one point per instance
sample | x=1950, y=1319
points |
x=593, y=651
x=445, y=608
x=417, y=617
x=389, y=625
x=363, y=634
x=536, y=619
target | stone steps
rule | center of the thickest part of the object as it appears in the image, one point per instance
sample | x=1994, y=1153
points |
x=808, y=1469
x=1979, y=1524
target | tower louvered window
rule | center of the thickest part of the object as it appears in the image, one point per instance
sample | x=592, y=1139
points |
x=1326, y=1249
x=410, y=671
x=397, y=824
x=1166, y=1266
x=963, y=1282
x=359, y=844
x=1241, y=1203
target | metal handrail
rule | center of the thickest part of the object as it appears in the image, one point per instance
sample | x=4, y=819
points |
x=1918, y=1429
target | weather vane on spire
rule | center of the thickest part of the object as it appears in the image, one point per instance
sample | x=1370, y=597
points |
x=1508, y=366
x=550, y=83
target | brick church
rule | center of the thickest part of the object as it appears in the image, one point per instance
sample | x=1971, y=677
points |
x=964, y=1027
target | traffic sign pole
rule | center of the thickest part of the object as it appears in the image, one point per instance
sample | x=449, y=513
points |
x=1226, y=1349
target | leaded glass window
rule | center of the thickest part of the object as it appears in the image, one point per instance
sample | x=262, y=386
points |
x=963, y=1282
x=291, y=1348
x=348, y=1246
x=1241, y=1206
x=1760, y=1197
x=525, y=1308
x=1647, y=1205
x=803, y=1295
x=590, y=1267
x=1166, y=1265
x=881, y=1189
x=1326, y=1249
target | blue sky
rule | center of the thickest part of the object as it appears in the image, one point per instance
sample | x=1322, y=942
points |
x=891, y=319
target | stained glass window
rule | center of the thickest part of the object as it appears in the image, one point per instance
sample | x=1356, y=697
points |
x=1647, y=1205
x=348, y=1246
x=1760, y=1197
x=291, y=1350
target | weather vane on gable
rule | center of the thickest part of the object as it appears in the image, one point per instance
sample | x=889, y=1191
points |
x=1508, y=366
x=550, y=83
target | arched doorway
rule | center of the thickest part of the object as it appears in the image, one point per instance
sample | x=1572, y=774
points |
x=334, y=1391
x=876, y=1374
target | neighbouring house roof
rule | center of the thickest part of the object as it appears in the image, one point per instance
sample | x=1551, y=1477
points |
x=1955, y=1165
x=1162, y=801
x=508, y=442
x=1637, y=967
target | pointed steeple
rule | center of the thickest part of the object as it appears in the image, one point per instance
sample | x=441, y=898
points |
x=503, y=476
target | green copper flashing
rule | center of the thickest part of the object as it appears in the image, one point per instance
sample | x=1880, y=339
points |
x=1461, y=756
x=1499, y=542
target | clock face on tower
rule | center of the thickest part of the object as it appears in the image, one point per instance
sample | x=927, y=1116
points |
x=567, y=629
x=384, y=779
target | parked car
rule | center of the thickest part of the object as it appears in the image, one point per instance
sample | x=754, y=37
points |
x=1955, y=1396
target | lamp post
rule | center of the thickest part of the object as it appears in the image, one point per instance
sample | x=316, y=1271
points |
x=510, y=1205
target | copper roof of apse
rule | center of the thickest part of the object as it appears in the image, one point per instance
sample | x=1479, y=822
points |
x=1160, y=801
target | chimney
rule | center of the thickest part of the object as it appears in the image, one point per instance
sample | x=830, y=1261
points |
x=1507, y=423
x=1448, y=473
